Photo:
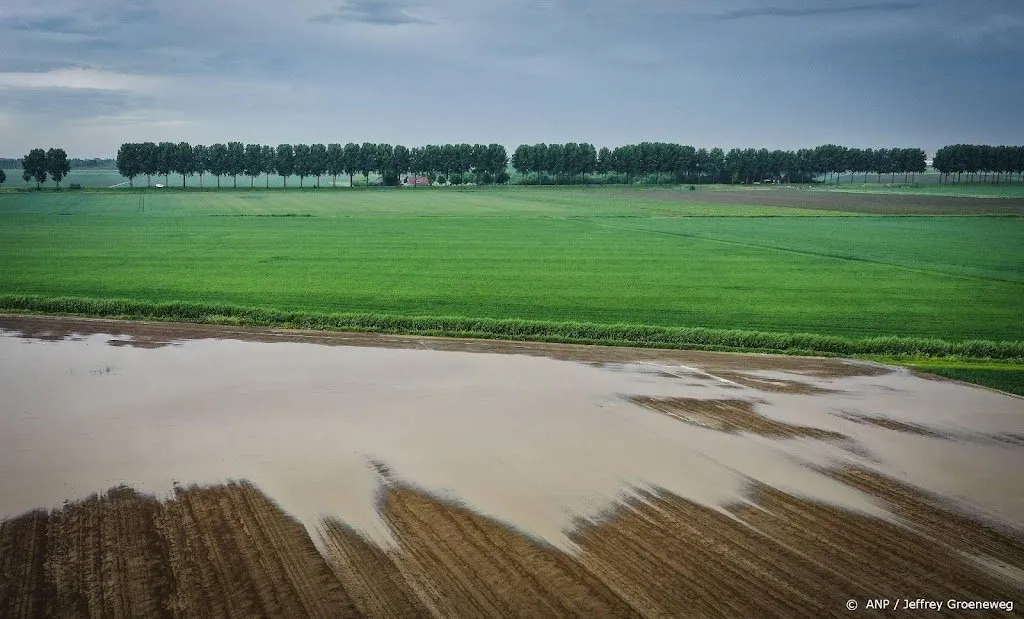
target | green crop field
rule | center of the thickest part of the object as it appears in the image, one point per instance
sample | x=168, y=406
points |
x=536, y=254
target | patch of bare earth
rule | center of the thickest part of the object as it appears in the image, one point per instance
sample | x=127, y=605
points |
x=730, y=416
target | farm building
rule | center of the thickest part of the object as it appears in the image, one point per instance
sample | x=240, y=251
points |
x=417, y=181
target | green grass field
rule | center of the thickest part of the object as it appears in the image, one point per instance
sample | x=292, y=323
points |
x=550, y=255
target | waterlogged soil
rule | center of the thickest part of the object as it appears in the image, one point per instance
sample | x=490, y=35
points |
x=155, y=469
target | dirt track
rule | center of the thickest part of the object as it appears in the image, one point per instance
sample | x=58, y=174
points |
x=704, y=485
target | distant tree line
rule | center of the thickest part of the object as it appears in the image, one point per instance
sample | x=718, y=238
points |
x=658, y=162
x=93, y=164
x=39, y=164
x=486, y=163
x=1002, y=162
x=569, y=163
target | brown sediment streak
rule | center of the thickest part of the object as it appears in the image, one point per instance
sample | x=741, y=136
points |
x=937, y=518
x=873, y=558
x=892, y=424
x=228, y=550
x=24, y=589
x=729, y=416
x=465, y=564
x=239, y=554
x=368, y=573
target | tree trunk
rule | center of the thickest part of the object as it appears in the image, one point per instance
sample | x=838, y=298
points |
x=218, y=181
x=252, y=182
x=182, y=181
x=148, y=178
x=284, y=179
x=268, y=180
x=350, y=180
x=234, y=181
x=200, y=181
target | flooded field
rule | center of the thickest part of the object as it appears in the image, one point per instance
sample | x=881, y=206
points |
x=156, y=469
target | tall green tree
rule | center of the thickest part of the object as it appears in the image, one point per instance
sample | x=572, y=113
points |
x=201, y=157
x=166, y=154
x=353, y=160
x=129, y=161
x=219, y=165
x=267, y=161
x=253, y=162
x=367, y=160
x=303, y=162
x=317, y=161
x=184, y=161
x=34, y=164
x=385, y=164
x=284, y=162
x=335, y=161
x=401, y=160
x=149, y=160
x=57, y=164
x=235, y=163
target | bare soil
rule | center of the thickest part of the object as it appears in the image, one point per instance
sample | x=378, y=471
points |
x=229, y=551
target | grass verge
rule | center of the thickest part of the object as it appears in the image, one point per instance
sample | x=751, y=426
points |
x=529, y=330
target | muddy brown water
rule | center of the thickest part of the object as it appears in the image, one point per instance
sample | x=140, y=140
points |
x=547, y=441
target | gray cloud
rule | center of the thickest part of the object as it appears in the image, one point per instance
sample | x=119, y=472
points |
x=815, y=11
x=90, y=74
x=376, y=12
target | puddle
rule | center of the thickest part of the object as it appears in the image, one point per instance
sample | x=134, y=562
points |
x=533, y=441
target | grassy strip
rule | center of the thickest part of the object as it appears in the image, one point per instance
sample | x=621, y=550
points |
x=1010, y=379
x=512, y=329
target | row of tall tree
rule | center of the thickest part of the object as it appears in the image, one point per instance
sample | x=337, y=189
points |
x=486, y=162
x=682, y=163
x=1002, y=162
x=40, y=164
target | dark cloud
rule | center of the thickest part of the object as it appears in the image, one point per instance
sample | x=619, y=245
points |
x=376, y=12
x=815, y=11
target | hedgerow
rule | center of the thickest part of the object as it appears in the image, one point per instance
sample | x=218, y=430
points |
x=533, y=330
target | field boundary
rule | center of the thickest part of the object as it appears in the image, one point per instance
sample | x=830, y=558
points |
x=643, y=336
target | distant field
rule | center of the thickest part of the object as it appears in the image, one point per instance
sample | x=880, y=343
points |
x=975, y=190
x=549, y=254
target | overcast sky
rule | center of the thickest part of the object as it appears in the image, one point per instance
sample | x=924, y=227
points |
x=88, y=75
